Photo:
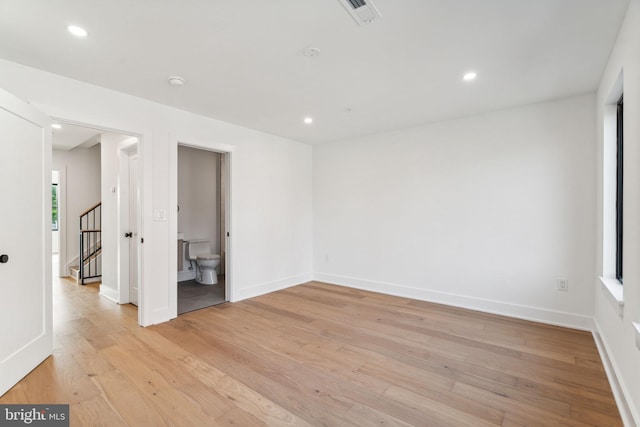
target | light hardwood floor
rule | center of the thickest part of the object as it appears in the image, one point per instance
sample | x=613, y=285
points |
x=316, y=354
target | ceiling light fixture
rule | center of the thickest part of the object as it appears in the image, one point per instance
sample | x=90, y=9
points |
x=470, y=76
x=56, y=126
x=176, y=81
x=77, y=31
x=308, y=120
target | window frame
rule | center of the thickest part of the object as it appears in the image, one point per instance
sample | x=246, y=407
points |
x=619, y=187
x=55, y=225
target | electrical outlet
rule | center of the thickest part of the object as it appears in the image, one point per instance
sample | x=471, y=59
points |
x=563, y=285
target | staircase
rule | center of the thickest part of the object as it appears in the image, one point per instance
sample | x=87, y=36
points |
x=90, y=260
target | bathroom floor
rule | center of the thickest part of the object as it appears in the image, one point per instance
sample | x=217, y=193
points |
x=194, y=296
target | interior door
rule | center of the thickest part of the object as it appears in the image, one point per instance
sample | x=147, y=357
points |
x=133, y=224
x=26, y=335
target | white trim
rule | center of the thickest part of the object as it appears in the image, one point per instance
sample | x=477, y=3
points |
x=62, y=267
x=628, y=413
x=276, y=285
x=536, y=314
x=185, y=275
x=73, y=262
x=109, y=293
x=614, y=292
x=636, y=333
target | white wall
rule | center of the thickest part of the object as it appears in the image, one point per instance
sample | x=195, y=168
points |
x=112, y=234
x=271, y=219
x=616, y=331
x=80, y=180
x=198, y=196
x=485, y=212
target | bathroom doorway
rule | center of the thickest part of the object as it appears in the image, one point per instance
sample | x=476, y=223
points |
x=201, y=196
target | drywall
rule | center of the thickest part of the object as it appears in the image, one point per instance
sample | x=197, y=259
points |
x=80, y=181
x=271, y=205
x=112, y=232
x=617, y=331
x=486, y=212
x=198, y=197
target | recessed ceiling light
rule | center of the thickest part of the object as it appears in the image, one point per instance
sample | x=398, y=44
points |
x=308, y=120
x=56, y=126
x=176, y=81
x=311, y=52
x=77, y=31
x=470, y=76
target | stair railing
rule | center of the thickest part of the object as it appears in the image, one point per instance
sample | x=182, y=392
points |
x=90, y=264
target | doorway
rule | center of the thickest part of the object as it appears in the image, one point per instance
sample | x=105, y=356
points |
x=202, y=228
x=100, y=167
x=129, y=207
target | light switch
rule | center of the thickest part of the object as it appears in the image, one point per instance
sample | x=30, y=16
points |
x=159, y=215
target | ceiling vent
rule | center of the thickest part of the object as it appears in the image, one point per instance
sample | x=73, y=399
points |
x=363, y=11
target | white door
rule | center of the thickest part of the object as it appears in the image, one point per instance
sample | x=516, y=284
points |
x=133, y=224
x=25, y=240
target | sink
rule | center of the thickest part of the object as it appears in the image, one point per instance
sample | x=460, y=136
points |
x=180, y=236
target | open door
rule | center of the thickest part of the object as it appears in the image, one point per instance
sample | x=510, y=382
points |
x=26, y=335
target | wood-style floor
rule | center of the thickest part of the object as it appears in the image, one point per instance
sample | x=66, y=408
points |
x=316, y=355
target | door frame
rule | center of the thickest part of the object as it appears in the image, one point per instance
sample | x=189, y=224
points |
x=226, y=151
x=143, y=313
x=61, y=269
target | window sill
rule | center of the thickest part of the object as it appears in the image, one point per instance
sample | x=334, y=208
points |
x=613, y=290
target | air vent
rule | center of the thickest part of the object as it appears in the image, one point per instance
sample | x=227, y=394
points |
x=363, y=11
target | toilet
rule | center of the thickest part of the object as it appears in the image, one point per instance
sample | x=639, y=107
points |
x=199, y=251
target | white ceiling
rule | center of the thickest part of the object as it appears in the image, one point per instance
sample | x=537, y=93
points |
x=243, y=64
x=69, y=136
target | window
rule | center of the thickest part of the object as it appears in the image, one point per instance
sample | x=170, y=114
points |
x=619, y=185
x=54, y=207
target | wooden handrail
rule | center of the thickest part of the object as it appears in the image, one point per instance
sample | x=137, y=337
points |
x=90, y=209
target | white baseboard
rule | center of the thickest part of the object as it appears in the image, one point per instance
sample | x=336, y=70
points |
x=628, y=413
x=276, y=285
x=185, y=275
x=536, y=314
x=109, y=293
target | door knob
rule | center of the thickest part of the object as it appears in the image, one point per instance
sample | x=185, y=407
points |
x=4, y=258
x=129, y=234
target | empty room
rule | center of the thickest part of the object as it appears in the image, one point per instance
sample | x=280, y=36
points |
x=320, y=213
